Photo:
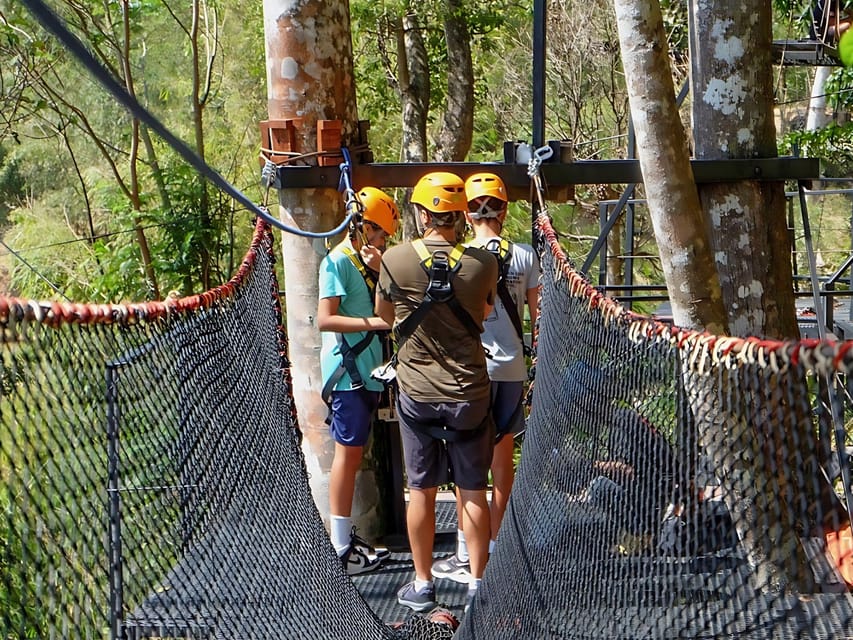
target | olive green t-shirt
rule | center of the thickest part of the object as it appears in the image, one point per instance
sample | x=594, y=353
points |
x=441, y=361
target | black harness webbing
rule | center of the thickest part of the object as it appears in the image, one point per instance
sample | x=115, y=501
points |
x=502, y=250
x=440, y=267
x=350, y=352
x=348, y=364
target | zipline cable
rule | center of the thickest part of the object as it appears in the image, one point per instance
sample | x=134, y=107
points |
x=55, y=24
x=39, y=275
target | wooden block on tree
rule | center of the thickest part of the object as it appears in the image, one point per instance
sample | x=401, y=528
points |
x=329, y=139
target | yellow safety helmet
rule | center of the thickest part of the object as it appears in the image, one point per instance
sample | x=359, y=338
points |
x=479, y=189
x=485, y=185
x=380, y=209
x=440, y=192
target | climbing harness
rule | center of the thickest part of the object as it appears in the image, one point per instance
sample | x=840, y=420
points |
x=440, y=267
x=349, y=353
x=502, y=250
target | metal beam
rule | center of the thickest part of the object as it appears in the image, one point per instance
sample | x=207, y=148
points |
x=555, y=174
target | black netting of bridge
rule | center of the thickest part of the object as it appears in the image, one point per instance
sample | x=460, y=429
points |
x=672, y=484
x=153, y=484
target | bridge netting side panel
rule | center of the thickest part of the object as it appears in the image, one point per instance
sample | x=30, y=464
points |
x=152, y=479
x=672, y=484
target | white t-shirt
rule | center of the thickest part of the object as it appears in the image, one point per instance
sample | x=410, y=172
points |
x=506, y=352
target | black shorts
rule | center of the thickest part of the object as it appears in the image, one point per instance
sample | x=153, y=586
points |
x=431, y=462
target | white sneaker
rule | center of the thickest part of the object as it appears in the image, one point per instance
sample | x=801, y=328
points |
x=369, y=550
x=356, y=561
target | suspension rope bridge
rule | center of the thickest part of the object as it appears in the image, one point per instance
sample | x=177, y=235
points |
x=673, y=484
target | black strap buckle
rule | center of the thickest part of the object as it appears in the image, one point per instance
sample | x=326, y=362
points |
x=439, y=288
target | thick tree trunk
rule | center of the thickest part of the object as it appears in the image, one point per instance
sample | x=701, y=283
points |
x=414, y=85
x=454, y=139
x=733, y=117
x=310, y=78
x=680, y=229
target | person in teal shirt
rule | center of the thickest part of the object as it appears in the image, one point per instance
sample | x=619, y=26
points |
x=351, y=349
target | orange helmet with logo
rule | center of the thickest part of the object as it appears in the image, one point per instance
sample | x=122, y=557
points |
x=380, y=209
x=440, y=192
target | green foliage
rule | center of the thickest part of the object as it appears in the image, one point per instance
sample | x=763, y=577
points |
x=833, y=144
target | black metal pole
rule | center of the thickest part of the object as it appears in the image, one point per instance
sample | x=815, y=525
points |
x=540, y=12
x=114, y=505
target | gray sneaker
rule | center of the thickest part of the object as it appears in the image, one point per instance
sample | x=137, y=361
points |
x=417, y=600
x=452, y=568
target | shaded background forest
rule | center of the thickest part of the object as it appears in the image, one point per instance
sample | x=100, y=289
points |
x=94, y=208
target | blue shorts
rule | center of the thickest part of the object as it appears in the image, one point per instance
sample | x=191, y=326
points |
x=352, y=416
x=506, y=407
x=430, y=461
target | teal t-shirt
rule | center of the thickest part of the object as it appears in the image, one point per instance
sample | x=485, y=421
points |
x=340, y=278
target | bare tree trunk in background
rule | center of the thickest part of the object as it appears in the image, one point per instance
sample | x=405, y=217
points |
x=200, y=92
x=457, y=132
x=310, y=78
x=145, y=252
x=414, y=88
x=817, y=117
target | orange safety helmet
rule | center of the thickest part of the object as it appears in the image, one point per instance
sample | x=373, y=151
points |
x=440, y=192
x=380, y=209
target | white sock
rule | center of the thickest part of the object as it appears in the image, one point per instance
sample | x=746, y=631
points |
x=420, y=585
x=491, y=546
x=340, y=530
x=461, y=547
x=473, y=585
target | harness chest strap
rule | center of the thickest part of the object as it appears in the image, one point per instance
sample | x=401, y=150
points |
x=369, y=278
x=439, y=290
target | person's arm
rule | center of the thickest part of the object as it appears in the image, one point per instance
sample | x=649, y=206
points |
x=487, y=309
x=533, y=306
x=385, y=310
x=328, y=319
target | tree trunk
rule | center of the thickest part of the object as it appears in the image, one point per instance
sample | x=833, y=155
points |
x=145, y=253
x=680, y=229
x=454, y=139
x=733, y=117
x=309, y=78
x=728, y=436
x=414, y=84
x=817, y=117
x=198, y=102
